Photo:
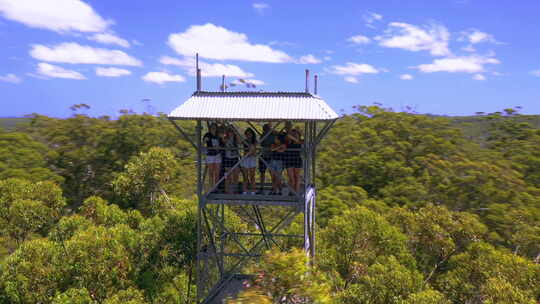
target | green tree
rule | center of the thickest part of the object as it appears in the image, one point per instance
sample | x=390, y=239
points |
x=355, y=240
x=499, y=291
x=87, y=152
x=518, y=141
x=285, y=278
x=376, y=148
x=77, y=150
x=145, y=179
x=384, y=282
x=332, y=201
x=32, y=273
x=27, y=208
x=435, y=234
x=516, y=227
x=68, y=226
x=24, y=158
x=102, y=213
x=463, y=184
x=100, y=260
x=128, y=296
x=169, y=241
x=468, y=272
x=428, y=296
x=176, y=290
x=25, y=217
x=74, y=296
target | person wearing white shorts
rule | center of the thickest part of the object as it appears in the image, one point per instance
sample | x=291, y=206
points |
x=249, y=162
x=213, y=159
x=213, y=144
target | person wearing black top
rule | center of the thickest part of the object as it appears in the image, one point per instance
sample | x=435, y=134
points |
x=267, y=139
x=231, y=157
x=293, y=162
x=249, y=162
x=276, y=162
x=213, y=144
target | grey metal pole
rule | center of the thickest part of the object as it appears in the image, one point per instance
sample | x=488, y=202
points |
x=306, y=156
x=199, y=213
x=315, y=85
x=313, y=227
x=199, y=85
x=223, y=83
x=314, y=152
x=198, y=72
x=307, y=81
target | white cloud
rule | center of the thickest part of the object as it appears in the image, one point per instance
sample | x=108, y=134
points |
x=351, y=79
x=413, y=38
x=327, y=58
x=359, y=39
x=353, y=69
x=479, y=77
x=309, y=59
x=79, y=54
x=162, y=77
x=112, y=72
x=476, y=36
x=260, y=7
x=406, y=77
x=536, y=73
x=283, y=43
x=207, y=69
x=11, y=78
x=216, y=42
x=371, y=18
x=57, y=15
x=467, y=64
x=54, y=71
x=178, y=62
x=469, y=48
x=109, y=38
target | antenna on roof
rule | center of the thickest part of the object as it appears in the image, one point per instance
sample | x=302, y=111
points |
x=316, y=77
x=307, y=81
x=198, y=72
x=223, y=83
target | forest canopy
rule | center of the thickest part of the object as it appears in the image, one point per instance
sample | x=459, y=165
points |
x=411, y=209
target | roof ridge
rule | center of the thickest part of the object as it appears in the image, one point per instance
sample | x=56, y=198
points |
x=256, y=106
x=251, y=93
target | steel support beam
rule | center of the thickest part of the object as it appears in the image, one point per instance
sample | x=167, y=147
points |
x=222, y=248
x=186, y=137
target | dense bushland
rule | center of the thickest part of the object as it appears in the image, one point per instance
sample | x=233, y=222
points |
x=410, y=210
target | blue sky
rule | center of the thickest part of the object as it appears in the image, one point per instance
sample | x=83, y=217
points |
x=453, y=57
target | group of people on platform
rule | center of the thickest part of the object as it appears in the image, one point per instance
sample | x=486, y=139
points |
x=274, y=151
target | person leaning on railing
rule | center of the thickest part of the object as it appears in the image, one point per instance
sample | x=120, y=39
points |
x=232, y=157
x=276, y=162
x=293, y=160
x=249, y=162
x=213, y=143
x=267, y=139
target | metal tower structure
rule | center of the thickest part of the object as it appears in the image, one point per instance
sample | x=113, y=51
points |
x=235, y=229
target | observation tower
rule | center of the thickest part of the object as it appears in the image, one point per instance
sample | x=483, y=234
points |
x=241, y=214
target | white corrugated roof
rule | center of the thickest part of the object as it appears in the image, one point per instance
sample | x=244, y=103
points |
x=262, y=106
